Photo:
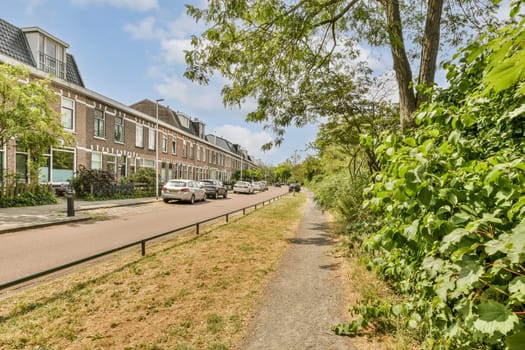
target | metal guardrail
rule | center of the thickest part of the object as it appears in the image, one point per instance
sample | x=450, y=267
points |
x=142, y=243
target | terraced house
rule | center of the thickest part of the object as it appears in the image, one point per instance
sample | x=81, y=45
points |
x=110, y=135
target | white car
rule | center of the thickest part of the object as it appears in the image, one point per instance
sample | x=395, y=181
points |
x=243, y=187
x=183, y=190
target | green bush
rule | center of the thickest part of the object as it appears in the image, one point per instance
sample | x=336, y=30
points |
x=21, y=195
x=451, y=196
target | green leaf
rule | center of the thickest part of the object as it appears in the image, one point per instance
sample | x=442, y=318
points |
x=494, y=317
x=425, y=196
x=517, y=289
x=515, y=341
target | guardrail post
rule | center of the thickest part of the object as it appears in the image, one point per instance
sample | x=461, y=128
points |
x=143, y=247
x=197, y=228
x=243, y=211
x=255, y=206
x=226, y=217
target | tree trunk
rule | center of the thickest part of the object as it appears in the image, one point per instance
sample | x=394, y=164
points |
x=407, y=100
x=430, y=47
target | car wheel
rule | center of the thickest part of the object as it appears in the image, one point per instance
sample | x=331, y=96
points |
x=225, y=194
x=192, y=200
x=166, y=200
x=216, y=195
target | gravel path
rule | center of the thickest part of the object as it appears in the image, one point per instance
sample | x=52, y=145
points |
x=303, y=300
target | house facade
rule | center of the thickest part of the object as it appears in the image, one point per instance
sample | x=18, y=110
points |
x=109, y=135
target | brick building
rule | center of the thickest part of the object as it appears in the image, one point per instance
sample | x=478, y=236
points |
x=110, y=135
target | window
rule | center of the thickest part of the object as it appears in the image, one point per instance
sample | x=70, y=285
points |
x=203, y=154
x=185, y=122
x=184, y=150
x=139, y=136
x=22, y=171
x=151, y=139
x=198, y=152
x=119, y=129
x=59, y=167
x=164, y=143
x=191, y=150
x=99, y=127
x=110, y=162
x=174, y=145
x=68, y=114
x=96, y=161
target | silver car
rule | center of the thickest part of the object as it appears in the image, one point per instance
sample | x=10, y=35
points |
x=183, y=190
x=243, y=187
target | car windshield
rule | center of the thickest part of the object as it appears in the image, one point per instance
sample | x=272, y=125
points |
x=242, y=183
x=178, y=183
x=207, y=182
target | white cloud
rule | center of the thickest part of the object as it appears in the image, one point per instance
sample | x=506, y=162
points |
x=137, y=5
x=249, y=139
x=193, y=96
x=144, y=30
x=173, y=50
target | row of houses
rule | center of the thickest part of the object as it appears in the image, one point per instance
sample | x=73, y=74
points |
x=109, y=135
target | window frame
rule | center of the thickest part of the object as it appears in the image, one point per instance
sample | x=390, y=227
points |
x=71, y=113
x=99, y=124
x=139, y=136
x=119, y=127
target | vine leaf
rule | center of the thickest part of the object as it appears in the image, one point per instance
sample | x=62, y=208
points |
x=517, y=289
x=495, y=317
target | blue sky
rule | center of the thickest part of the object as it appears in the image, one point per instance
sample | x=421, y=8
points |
x=129, y=50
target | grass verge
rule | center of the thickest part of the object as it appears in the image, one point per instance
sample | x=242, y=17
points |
x=192, y=292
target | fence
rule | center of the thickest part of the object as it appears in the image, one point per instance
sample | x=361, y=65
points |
x=142, y=243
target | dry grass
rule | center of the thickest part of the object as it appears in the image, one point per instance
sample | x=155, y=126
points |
x=192, y=292
x=360, y=284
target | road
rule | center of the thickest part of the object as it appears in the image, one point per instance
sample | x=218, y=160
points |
x=27, y=252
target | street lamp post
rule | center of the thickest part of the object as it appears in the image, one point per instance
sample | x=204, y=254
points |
x=157, y=148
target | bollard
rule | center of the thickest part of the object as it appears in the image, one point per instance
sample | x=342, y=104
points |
x=70, y=203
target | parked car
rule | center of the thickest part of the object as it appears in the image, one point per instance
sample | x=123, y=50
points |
x=257, y=186
x=183, y=190
x=294, y=187
x=242, y=187
x=214, y=188
x=264, y=186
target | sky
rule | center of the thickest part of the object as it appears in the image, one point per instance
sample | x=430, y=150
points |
x=130, y=50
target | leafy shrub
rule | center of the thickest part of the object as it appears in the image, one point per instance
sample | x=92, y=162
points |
x=452, y=199
x=95, y=183
x=21, y=195
x=143, y=175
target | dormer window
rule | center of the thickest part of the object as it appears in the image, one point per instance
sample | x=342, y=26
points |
x=51, y=57
x=49, y=52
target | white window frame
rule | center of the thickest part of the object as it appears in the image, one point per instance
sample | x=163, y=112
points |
x=152, y=142
x=174, y=145
x=68, y=111
x=121, y=127
x=96, y=164
x=164, y=143
x=139, y=135
x=96, y=125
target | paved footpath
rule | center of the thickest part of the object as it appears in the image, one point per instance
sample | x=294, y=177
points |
x=303, y=300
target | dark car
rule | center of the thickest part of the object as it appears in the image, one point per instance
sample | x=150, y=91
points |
x=214, y=188
x=294, y=187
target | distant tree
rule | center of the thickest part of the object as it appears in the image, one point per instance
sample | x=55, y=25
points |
x=27, y=114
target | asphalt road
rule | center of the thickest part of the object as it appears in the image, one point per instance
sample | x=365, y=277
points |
x=27, y=252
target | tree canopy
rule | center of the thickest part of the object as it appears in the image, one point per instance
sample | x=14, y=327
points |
x=27, y=114
x=293, y=56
